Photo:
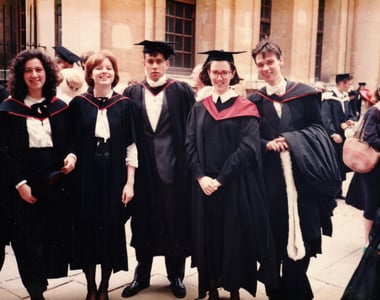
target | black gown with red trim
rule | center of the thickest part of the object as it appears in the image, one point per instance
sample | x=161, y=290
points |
x=40, y=231
x=231, y=231
x=159, y=228
x=99, y=214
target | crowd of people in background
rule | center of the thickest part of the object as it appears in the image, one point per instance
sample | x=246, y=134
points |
x=229, y=180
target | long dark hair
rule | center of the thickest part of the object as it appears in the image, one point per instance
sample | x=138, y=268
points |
x=17, y=87
x=203, y=75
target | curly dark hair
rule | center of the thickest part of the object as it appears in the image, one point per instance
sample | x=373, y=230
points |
x=17, y=87
x=203, y=75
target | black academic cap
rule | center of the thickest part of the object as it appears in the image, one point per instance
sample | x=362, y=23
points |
x=343, y=76
x=220, y=55
x=153, y=47
x=362, y=83
x=66, y=54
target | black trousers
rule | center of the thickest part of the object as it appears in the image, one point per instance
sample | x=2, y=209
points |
x=175, y=267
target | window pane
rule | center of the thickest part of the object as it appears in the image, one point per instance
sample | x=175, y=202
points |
x=188, y=12
x=169, y=24
x=179, y=10
x=187, y=61
x=187, y=44
x=178, y=26
x=188, y=28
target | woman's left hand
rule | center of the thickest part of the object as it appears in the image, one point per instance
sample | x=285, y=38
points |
x=128, y=193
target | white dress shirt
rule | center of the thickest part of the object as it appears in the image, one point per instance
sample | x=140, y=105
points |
x=102, y=130
x=153, y=103
x=39, y=131
x=279, y=90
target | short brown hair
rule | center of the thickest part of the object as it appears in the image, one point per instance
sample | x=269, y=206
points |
x=265, y=46
x=94, y=60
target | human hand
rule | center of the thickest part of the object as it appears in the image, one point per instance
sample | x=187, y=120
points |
x=278, y=144
x=68, y=164
x=25, y=193
x=128, y=193
x=337, y=138
x=208, y=185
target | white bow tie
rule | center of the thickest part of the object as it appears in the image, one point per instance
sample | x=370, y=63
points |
x=279, y=89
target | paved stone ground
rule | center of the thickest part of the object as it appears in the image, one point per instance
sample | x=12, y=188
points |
x=328, y=273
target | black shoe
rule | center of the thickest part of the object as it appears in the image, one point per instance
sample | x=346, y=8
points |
x=178, y=288
x=133, y=288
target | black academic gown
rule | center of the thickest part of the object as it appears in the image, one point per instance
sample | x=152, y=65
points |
x=332, y=116
x=300, y=110
x=40, y=231
x=231, y=231
x=161, y=226
x=99, y=214
x=5, y=212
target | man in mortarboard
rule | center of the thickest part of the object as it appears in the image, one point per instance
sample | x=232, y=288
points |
x=337, y=116
x=296, y=148
x=65, y=58
x=160, y=219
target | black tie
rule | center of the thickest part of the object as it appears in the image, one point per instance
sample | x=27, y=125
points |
x=102, y=101
x=40, y=109
x=219, y=101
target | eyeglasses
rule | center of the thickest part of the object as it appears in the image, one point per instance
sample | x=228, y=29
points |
x=224, y=74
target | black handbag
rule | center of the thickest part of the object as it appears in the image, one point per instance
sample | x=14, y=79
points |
x=365, y=282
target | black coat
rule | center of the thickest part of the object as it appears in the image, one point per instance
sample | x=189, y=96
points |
x=364, y=190
x=40, y=232
x=300, y=110
x=99, y=214
x=148, y=211
x=244, y=229
x=332, y=116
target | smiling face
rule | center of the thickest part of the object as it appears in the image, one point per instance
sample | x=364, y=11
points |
x=155, y=66
x=269, y=67
x=220, y=74
x=34, y=76
x=103, y=74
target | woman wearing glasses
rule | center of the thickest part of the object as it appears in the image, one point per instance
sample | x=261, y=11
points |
x=223, y=153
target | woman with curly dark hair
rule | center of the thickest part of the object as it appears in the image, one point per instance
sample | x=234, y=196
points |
x=34, y=142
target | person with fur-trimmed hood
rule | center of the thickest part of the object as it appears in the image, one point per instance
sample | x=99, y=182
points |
x=295, y=150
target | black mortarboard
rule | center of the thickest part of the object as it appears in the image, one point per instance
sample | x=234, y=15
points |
x=220, y=55
x=153, y=47
x=343, y=76
x=66, y=54
x=46, y=179
x=362, y=83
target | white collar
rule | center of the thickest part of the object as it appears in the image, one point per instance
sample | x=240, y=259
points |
x=157, y=83
x=29, y=101
x=224, y=97
x=109, y=95
x=339, y=94
x=278, y=89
